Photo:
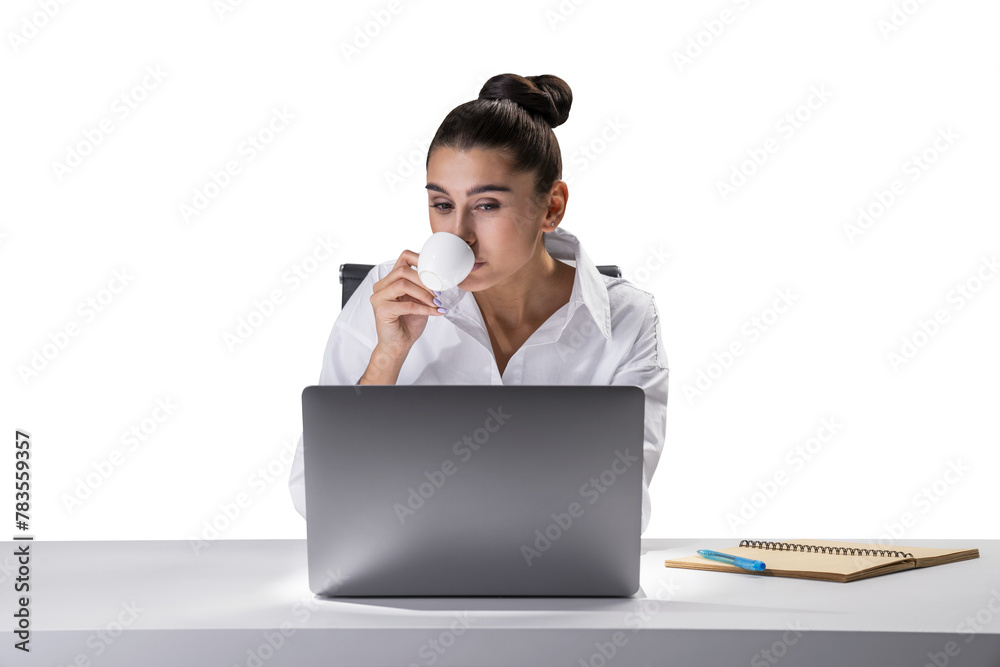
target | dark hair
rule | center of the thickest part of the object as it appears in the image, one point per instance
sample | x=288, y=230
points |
x=515, y=115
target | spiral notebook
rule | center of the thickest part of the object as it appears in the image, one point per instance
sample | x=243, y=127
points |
x=826, y=560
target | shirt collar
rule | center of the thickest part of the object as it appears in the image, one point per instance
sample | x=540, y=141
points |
x=589, y=289
x=588, y=285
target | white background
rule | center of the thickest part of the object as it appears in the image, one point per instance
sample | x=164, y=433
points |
x=649, y=140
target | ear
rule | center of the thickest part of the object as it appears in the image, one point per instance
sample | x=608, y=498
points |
x=555, y=204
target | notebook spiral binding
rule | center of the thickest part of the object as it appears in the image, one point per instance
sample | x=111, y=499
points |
x=811, y=548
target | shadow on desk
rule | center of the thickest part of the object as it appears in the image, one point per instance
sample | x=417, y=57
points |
x=652, y=554
x=528, y=604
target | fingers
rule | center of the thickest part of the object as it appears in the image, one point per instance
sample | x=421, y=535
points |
x=405, y=292
x=403, y=269
x=406, y=259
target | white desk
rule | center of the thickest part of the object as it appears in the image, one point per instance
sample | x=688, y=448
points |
x=221, y=607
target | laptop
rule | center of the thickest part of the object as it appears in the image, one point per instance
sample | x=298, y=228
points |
x=481, y=490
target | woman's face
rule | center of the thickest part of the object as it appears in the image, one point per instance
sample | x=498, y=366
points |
x=474, y=195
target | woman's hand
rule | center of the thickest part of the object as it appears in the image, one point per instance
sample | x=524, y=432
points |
x=402, y=305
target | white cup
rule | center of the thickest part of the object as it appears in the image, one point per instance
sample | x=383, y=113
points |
x=445, y=261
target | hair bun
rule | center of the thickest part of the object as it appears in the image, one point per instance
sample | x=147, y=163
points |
x=545, y=95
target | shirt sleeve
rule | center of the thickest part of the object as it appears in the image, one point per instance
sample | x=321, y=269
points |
x=645, y=366
x=348, y=350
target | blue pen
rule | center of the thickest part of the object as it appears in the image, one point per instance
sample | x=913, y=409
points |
x=745, y=563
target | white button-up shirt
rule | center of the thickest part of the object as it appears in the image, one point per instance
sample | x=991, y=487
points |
x=607, y=334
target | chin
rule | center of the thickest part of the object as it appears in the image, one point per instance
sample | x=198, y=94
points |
x=466, y=286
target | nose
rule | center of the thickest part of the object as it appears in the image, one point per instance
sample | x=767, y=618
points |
x=463, y=226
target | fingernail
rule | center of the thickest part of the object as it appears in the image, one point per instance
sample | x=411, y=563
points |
x=442, y=310
x=437, y=302
x=437, y=293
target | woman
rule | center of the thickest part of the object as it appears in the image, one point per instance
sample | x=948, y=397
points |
x=522, y=316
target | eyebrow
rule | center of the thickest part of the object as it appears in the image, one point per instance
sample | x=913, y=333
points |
x=489, y=187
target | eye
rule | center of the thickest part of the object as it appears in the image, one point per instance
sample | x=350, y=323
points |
x=489, y=207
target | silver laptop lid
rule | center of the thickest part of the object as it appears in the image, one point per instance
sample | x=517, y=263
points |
x=473, y=489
